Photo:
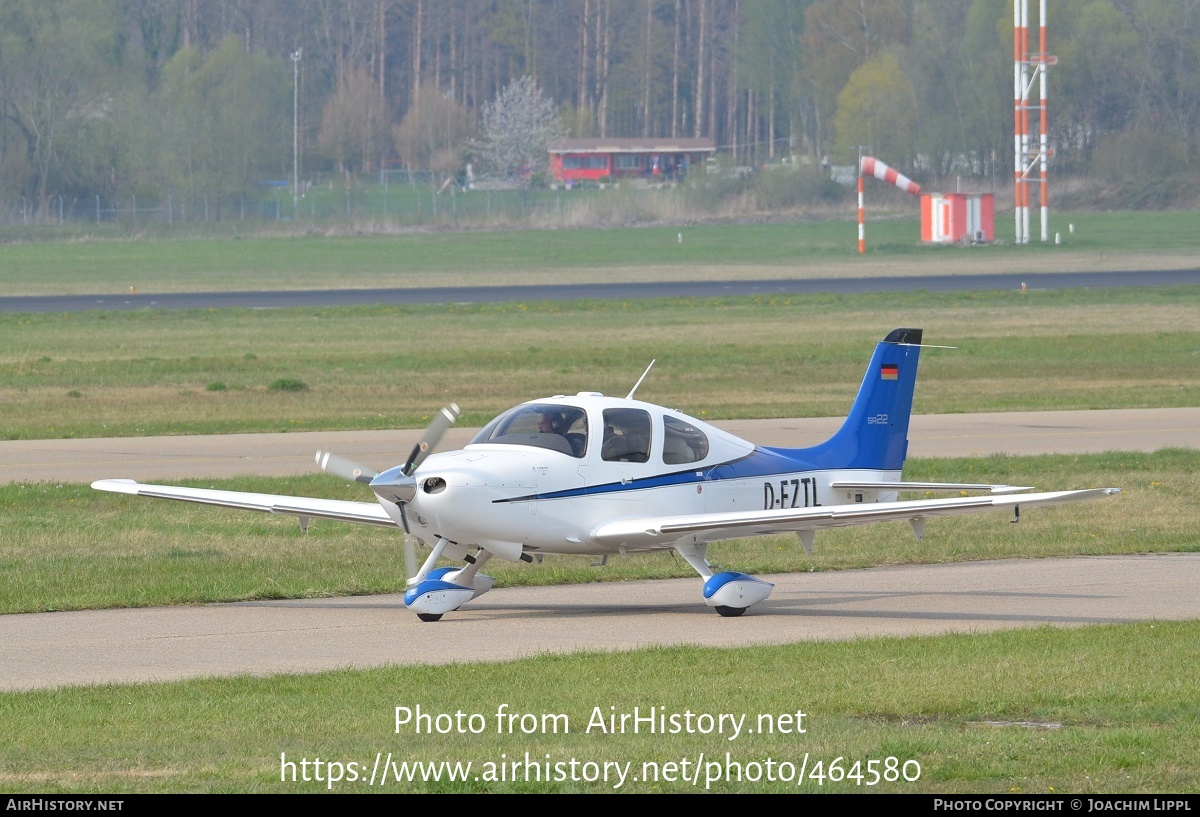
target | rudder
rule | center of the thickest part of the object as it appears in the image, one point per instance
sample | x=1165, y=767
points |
x=875, y=433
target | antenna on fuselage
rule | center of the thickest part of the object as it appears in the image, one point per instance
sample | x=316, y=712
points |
x=640, y=379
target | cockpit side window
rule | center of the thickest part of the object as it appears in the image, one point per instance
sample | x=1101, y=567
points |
x=559, y=428
x=576, y=433
x=682, y=442
x=626, y=435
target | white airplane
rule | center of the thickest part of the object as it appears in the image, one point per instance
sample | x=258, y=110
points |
x=589, y=474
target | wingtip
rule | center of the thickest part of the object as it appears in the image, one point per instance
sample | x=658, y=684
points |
x=118, y=486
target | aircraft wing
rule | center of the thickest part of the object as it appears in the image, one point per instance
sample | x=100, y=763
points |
x=363, y=513
x=930, y=486
x=648, y=532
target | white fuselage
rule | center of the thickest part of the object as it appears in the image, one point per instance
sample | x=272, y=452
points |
x=521, y=492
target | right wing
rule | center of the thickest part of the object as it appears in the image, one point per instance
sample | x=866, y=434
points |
x=663, y=531
x=363, y=513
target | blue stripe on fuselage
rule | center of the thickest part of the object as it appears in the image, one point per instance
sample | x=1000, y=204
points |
x=657, y=481
x=762, y=462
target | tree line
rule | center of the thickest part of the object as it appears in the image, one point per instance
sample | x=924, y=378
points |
x=110, y=98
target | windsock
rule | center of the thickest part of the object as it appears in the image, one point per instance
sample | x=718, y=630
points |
x=873, y=167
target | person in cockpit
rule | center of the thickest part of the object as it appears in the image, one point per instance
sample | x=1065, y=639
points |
x=549, y=422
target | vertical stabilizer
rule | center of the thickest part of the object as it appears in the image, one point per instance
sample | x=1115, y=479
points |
x=875, y=433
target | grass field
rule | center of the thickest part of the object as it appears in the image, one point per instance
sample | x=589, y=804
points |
x=1109, y=709
x=103, y=374
x=1100, y=709
x=822, y=248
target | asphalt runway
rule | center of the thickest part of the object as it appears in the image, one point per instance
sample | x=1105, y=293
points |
x=563, y=292
x=48, y=650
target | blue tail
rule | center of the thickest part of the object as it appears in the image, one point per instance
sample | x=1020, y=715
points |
x=875, y=433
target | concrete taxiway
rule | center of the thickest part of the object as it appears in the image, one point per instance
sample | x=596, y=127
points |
x=930, y=435
x=48, y=650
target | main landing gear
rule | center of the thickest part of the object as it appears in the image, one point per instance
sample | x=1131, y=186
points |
x=729, y=593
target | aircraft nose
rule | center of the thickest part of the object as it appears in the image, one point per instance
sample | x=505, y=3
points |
x=467, y=502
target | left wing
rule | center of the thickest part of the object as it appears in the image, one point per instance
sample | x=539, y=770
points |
x=363, y=513
x=664, y=530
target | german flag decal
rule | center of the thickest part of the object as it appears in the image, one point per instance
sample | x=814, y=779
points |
x=889, y=371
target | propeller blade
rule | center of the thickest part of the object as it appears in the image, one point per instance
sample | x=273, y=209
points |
x=404, y=522
x=410, y=557
x=429, y=438
x=345, y=468
x=396, y=485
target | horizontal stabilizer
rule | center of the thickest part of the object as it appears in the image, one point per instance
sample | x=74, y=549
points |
x=930, y=486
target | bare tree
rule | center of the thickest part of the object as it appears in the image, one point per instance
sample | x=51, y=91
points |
x=433, y=132
x=53, y=63
x=355, y=124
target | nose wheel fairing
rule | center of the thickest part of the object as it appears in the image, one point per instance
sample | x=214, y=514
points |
x=434, y=597
x=448, y=588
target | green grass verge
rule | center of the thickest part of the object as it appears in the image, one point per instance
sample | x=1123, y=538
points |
x=806, y=249
x=68, y=547
x=104, y=374
x=1102, y=709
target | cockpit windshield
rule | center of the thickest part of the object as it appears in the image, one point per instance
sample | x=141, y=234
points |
x=544, y=425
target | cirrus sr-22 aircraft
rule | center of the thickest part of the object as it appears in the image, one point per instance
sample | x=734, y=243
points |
x=589, y=474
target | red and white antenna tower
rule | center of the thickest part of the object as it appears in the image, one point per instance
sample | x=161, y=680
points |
x=1028, y=67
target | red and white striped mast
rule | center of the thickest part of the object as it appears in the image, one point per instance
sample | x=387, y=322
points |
x=1019, y=70
x=1044, y=59
x=1025, y=157
x=862, y=232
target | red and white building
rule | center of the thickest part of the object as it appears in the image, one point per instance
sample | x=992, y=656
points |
x=578, y=160
x=953, y=217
